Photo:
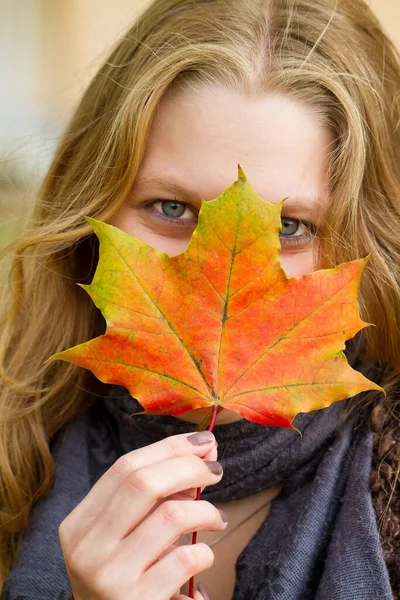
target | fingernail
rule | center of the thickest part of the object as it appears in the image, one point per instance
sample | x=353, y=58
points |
x=214, y=466
x=224, y=515
x=202, y=437
x=203, y=591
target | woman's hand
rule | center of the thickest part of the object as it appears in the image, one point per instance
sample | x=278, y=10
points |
x=118, y=543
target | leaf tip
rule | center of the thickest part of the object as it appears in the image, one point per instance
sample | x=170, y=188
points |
x=142, y=412
x=95, y=224
x=282, y=202
x=366, y=259
x=89, y=219
x=55, y=356
x=378, y=388
x=363, y=262
x=298, y=430
x=241, y=174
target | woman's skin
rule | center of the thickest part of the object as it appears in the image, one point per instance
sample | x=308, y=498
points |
x=119, y=541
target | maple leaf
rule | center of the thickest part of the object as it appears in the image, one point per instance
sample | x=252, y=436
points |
x=221, y=324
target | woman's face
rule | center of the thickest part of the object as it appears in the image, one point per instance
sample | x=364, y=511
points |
x=196, y=141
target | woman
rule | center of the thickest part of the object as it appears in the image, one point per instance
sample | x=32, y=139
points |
x=305, y=96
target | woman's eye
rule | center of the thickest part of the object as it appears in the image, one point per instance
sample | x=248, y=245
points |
x=172, y=209
x=172, y=212
x=294, y=231
x=290, y=226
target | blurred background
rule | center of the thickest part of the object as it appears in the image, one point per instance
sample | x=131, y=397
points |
x=51, y=49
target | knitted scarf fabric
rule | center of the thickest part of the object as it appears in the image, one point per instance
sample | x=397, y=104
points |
x=319, y=541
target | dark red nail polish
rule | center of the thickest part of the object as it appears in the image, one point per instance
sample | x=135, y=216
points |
x=214, y=466
x=224, y=515
x=202, y=437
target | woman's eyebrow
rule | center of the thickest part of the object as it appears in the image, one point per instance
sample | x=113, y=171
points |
x=311, y=204
x=168, y=185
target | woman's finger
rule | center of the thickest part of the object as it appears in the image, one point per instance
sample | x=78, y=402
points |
x=162, y=528
x=200, y=444
x=174, y=570
x=142, y=489
x=197, y=596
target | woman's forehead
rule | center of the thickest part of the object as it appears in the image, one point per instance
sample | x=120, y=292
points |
x=196, y=143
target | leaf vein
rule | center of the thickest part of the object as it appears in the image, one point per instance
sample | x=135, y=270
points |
x=290, y=385
x=152, y=372
x=284, y=337
x=186, y=350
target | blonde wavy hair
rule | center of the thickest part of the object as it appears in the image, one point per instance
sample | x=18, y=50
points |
x=331, y=55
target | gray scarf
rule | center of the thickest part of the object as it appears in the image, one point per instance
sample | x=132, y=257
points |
x=319, y=541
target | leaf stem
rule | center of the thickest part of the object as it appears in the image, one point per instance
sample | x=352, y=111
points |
x=194, y=534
